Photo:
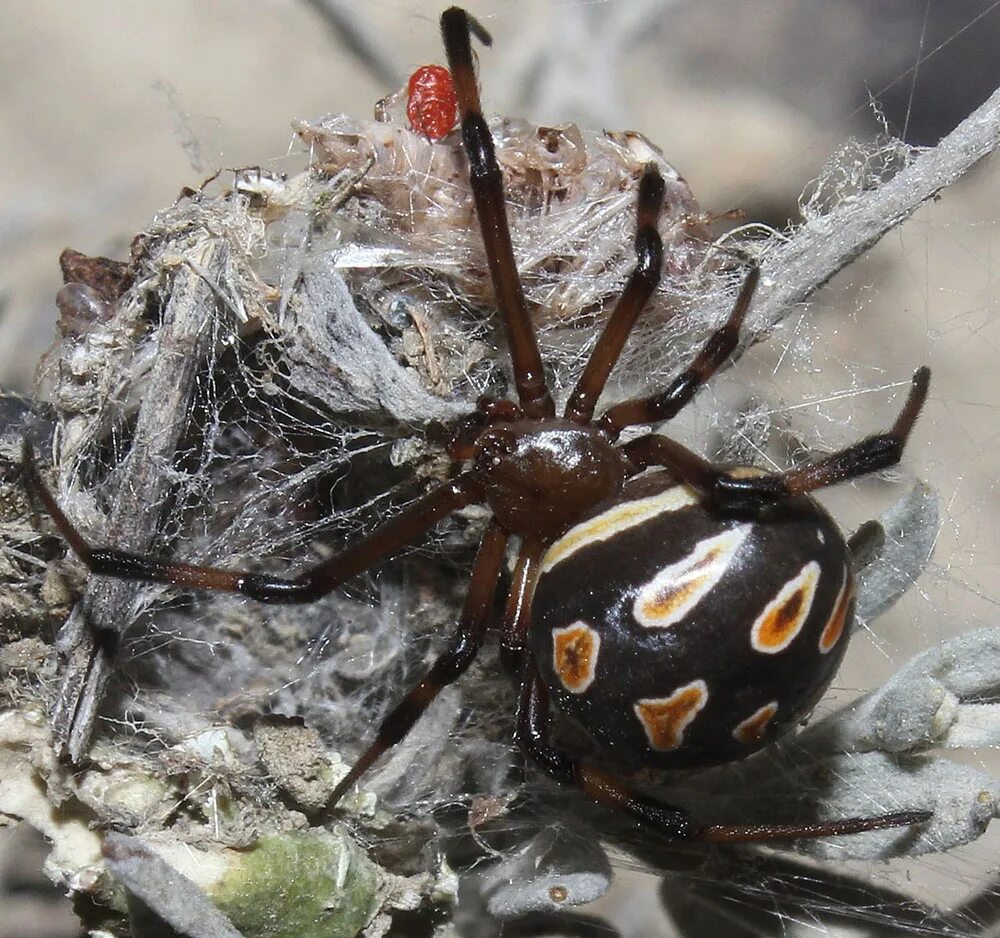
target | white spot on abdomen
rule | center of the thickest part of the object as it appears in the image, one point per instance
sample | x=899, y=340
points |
x=784, y=616
x=679, y=587
x=574, y=655
x=615, y=520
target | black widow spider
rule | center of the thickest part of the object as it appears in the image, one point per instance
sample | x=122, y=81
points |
x=683, y=617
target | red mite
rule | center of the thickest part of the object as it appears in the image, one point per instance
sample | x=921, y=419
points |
x=432, y=105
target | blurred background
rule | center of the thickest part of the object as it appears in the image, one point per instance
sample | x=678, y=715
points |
x=108, y=109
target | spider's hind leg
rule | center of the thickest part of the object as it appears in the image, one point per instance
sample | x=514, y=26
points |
x=866, y=544
x=387, y=539
x=533, y=736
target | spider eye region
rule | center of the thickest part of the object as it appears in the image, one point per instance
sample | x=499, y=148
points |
x=541, y=476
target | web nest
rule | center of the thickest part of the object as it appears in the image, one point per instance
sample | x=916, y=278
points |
x=278, y=367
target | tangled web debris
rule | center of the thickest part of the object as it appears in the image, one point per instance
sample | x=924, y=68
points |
x=274, y=370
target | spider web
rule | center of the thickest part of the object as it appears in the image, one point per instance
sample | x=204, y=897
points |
x=280, y=458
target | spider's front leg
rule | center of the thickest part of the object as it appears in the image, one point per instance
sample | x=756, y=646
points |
x=533, y=736
x=744, y=492
x=486, y=182
x=655, y=408
x=639, y=288
x=385, y=540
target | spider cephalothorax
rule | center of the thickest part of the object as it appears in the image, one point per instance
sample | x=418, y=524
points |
x=541, y=476
x=683, y=613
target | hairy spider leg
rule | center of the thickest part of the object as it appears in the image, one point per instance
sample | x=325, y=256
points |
x=665, y=404
x=462, y=649
x=486, y=182
x=532, y=734
x=638, y=290
x=390, y=537
x=738, y=492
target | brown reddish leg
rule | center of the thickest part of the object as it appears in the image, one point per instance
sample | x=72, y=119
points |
x=315, y=582
x=462, y=649
x=638, y=290
x=665, y=404
x=487, y=192
x=754, y=492
x=517, y=612
x=533, y=736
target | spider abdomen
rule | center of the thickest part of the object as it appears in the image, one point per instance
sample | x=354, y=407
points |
x=679, y=637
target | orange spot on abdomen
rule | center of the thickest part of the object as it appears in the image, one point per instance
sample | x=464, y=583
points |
x=676, y=589
x=784, y=616
x=665, y=718
x=839, y=617
x=574, y=654
x=751, y=731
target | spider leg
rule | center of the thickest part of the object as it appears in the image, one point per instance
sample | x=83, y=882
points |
x=486, y=182
x=462, y=649
x=865, y=544
x=533, y=736
x=517, y=612
x=638, y=290
x=744, y=492
x=389, y=537
x=665, y=404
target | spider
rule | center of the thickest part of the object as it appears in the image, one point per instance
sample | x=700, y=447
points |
x=718, y=599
